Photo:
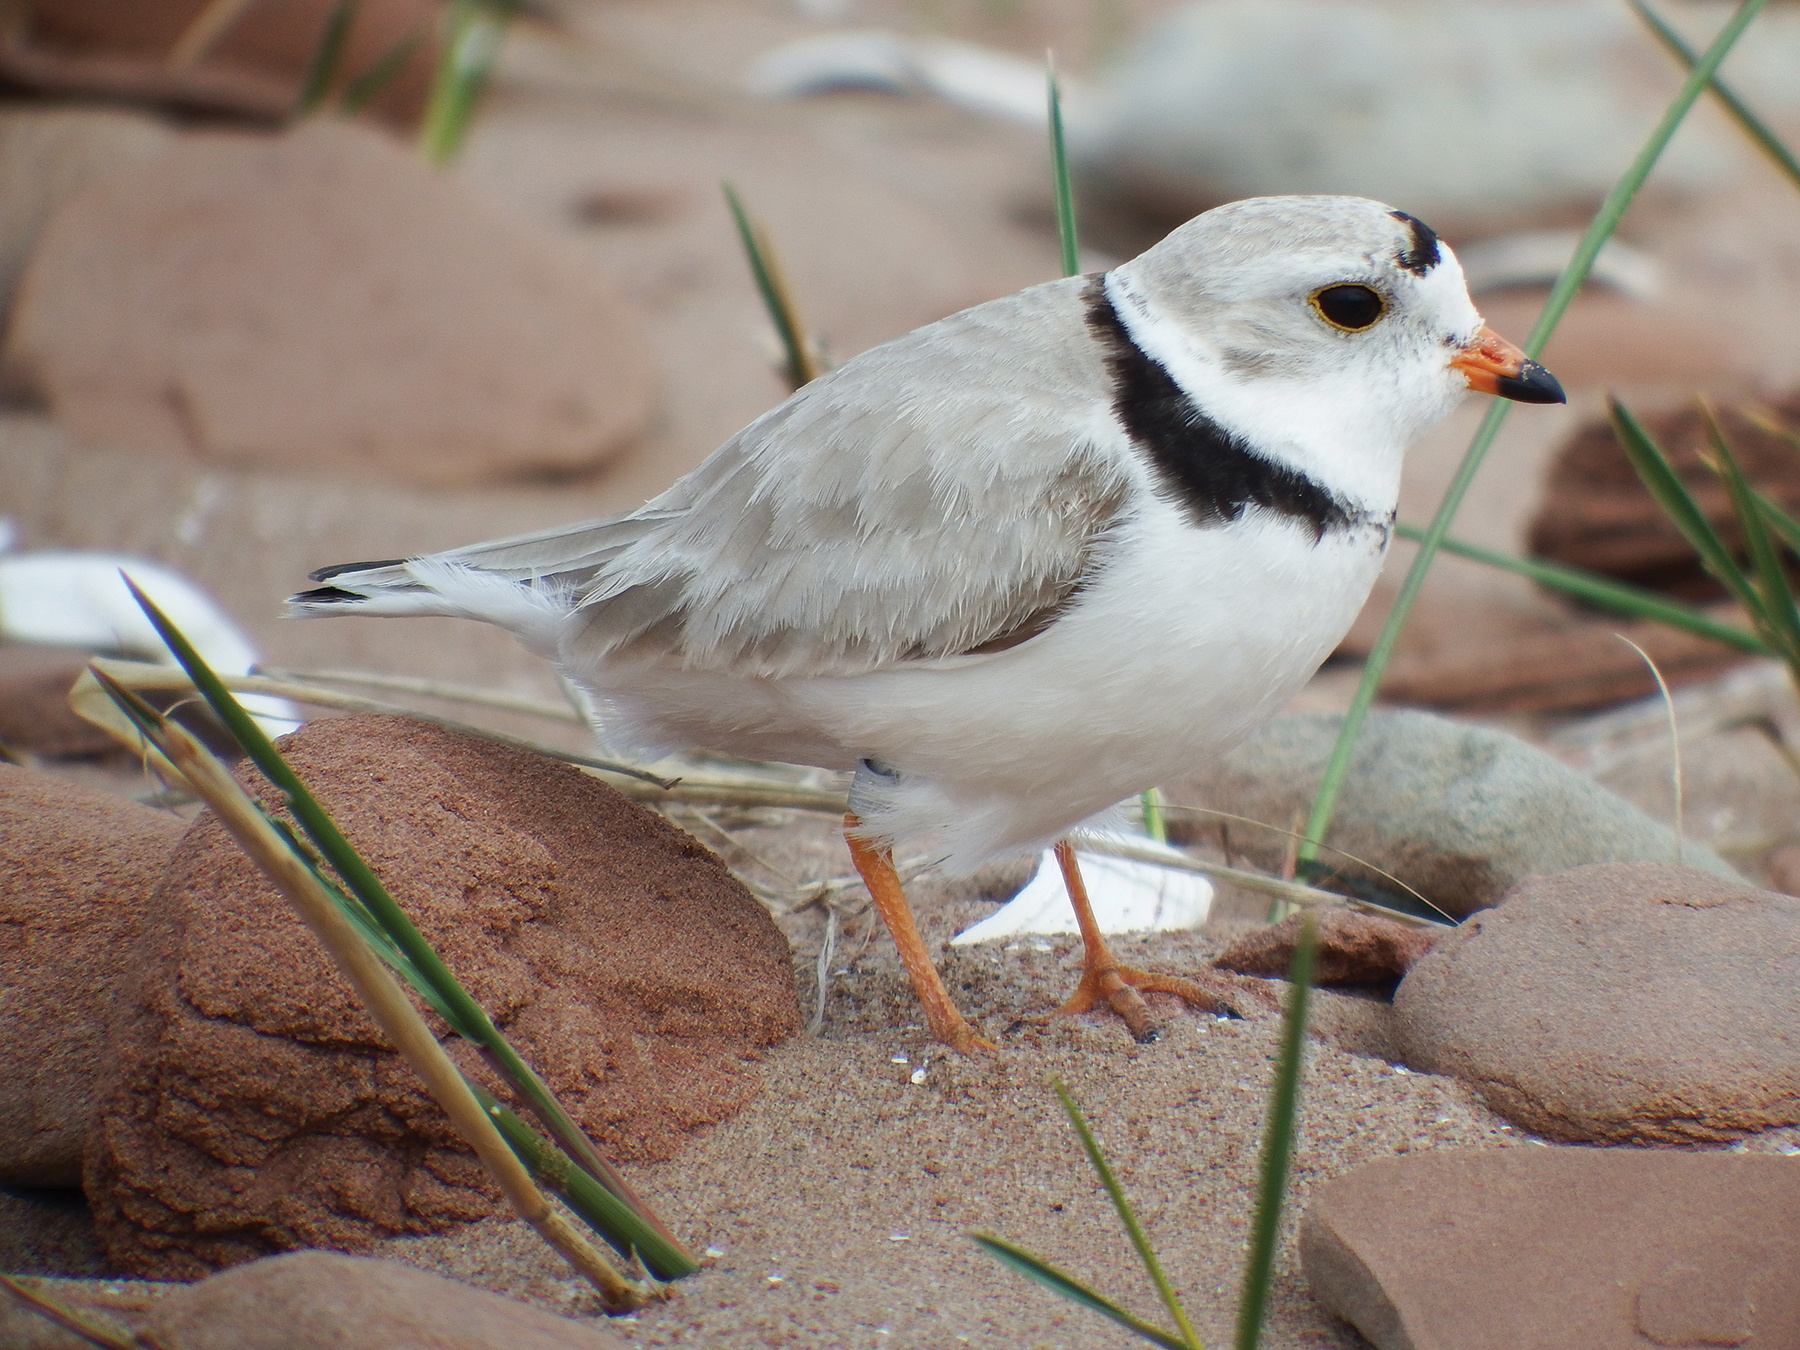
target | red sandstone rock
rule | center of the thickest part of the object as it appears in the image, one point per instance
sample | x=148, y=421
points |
x=1620, y=1002
x=255, y=1107
x=1353, y=948
x=34, y=703
x=326, y=1301
x=255, y=66
x=1597, y=514
x=1578, y=665
x=323, y=299
x=1560, y=1249
x=76, y=870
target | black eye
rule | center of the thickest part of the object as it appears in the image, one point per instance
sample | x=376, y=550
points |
x=1352, y=308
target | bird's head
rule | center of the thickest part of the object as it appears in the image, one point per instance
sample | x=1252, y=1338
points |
x=1322, y=309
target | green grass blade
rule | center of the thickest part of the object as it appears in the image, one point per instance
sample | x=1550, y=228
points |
x=474, y=30
x=1778, y=517
x=1771, y=577
x=367, y=87
x=603, y=1211
x=1278, y=1139
x=1754, y=126
x=1091, y=1147
x=1606, y=593
x=328, y=57
x=462, y=1012
x=1059, y=167
x=1072, y=1289
x=1780, y=521
x=1605, y=221
x=1155, y=824
x=1665, y=485
x=777, y=297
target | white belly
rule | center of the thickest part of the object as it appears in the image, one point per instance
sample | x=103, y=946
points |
x=1187, y=641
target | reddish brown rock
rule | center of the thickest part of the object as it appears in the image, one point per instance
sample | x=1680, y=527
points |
x=49, y=154
x=1597, y=514
x=34, y=703
x=255, y=1108
x=310, y=1300
x=1577, y=665
x=1353, y=948
x=77, y=867
x=1620, y=1003
x=324, y=300
x=255, y=65
x=1561, y=1249
x=327, y=1301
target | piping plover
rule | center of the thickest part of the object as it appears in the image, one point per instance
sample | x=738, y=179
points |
x=1025, y=561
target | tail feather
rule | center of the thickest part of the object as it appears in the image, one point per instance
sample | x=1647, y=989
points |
x=338, y=569
x=528, y=583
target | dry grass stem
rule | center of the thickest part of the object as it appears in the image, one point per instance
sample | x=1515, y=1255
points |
x=711, y=789
x=69, y=1320
x=1662, y=686
x=206, y=28
x=90, y=702
x=450, y=693
x=1293, y=892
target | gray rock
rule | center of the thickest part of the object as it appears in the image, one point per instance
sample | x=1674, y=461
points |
x=1560, y=1249
x=325, y=1301
x=1459, y=813
x=1241, y=98
x=1627, y=1002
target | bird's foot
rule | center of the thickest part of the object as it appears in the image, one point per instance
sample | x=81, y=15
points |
x=1118, y=988
x=959, y=1035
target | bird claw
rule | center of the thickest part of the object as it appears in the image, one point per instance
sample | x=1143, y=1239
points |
x=954, y=1031
x=1118, y=987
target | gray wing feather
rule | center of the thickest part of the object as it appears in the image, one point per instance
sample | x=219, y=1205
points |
x=945, y=493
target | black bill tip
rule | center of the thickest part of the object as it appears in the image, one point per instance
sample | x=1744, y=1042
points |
x=1533, y=384
x=325, y=595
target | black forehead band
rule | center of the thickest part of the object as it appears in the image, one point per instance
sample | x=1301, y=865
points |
x=1423, y=255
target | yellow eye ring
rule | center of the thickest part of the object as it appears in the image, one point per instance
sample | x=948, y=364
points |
x=1348, y=306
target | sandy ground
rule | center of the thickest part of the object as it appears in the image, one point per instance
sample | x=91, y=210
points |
x=838, y=1204
x=835, y=1209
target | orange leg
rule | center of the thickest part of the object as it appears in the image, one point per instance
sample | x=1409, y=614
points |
x=877, y=868
x=1104, y=980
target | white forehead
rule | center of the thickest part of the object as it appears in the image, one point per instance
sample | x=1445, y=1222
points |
x=1268, y=245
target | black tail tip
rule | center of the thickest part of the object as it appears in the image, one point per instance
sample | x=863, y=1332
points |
x=338, y=569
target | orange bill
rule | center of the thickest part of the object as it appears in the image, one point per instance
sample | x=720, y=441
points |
x=1492, y=365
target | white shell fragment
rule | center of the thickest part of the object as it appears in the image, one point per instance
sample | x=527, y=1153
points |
x=70, y=598
x=1127, y=896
